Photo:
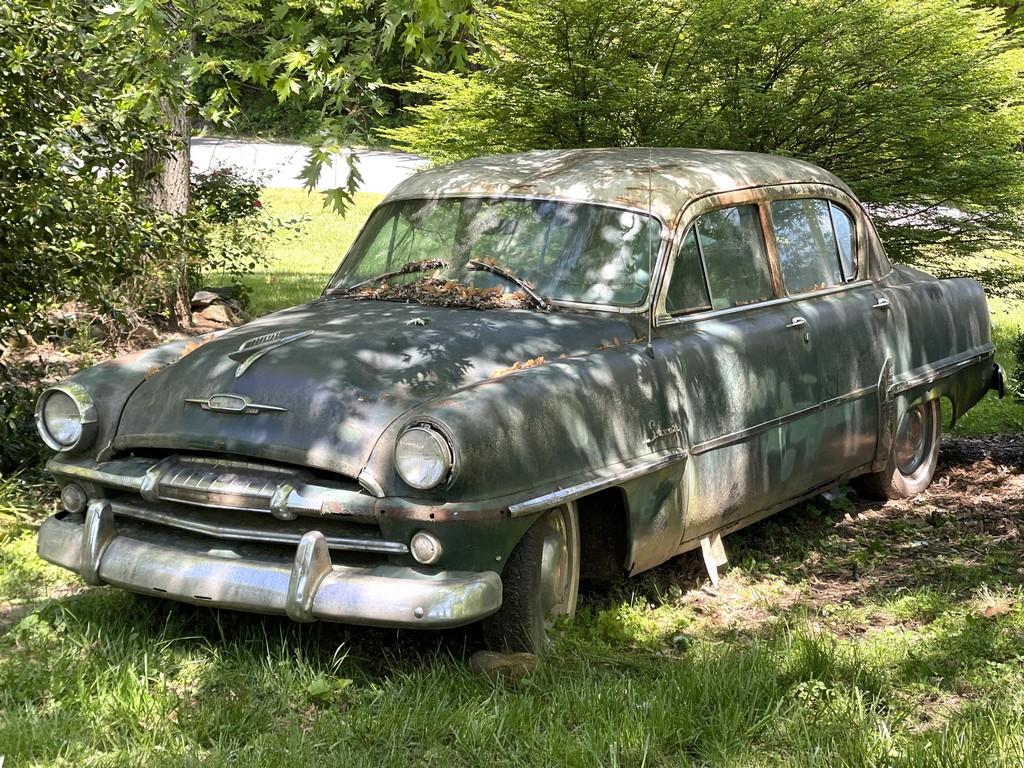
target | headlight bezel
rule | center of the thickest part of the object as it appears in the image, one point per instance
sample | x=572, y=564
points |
x=87, y=417
x=447, y=454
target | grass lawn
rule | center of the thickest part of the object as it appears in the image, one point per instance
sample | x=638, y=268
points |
x=845, y=633
x=301, y=264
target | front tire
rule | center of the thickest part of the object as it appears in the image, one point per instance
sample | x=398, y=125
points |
x=540, y=583
x=913, y=456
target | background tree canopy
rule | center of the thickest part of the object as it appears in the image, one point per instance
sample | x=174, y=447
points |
x=915, y=103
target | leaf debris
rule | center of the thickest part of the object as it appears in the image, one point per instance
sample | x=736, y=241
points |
x=444, y=293
x=519, y=365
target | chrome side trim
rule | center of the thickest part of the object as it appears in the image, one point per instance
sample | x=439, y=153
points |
x=739, y=436
x=929, y=373
x=221, y=530
x=252, y=350
x=572, y=492
x=177, y=567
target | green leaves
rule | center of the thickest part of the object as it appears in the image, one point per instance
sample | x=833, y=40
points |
x=285, y=86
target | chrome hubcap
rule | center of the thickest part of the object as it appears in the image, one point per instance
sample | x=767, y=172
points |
x=557, y=567
x=913, y=440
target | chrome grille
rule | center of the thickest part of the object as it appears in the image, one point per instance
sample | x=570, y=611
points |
x=210, y=483
x=241, y=500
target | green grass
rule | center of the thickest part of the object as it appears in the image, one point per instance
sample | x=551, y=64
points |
x=301, y=263
x=992, y=415
x=765, y=670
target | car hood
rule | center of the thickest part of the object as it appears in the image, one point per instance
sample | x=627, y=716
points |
x=361, y=365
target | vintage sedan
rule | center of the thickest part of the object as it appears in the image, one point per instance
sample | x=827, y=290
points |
x=528, y=370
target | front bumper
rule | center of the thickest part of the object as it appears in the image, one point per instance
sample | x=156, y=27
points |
x=306, y=587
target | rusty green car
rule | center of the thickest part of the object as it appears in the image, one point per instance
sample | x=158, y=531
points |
x=528, y=370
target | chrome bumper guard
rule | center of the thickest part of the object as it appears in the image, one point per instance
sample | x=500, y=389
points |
x=306, y=588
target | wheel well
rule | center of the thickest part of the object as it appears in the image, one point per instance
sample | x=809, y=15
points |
x=603, y=521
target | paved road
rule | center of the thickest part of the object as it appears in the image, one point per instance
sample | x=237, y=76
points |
x=279, y=165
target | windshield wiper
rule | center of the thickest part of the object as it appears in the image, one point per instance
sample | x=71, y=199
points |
x=412, y=267
x=477, y=265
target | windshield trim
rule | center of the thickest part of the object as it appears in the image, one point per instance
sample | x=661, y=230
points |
x=664, y=241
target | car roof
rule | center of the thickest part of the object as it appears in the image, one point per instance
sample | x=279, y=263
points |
x=662, y=180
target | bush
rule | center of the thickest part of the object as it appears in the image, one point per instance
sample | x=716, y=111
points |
x=233, y=227
x=19, y=442
x=72, y=226
x=1016, y=378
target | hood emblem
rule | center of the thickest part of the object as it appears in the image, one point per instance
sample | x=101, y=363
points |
x=232, y=404
x=253, y=349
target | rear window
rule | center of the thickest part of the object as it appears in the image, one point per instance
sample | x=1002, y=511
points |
x=816, y=241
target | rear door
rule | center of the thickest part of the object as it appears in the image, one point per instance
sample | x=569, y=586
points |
x=817, y=242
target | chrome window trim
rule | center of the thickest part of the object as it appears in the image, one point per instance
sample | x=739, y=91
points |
x=760, y=196
x=669, y=320
x=665, y=241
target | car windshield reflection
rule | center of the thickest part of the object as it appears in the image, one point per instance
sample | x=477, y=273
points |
x=571, y=252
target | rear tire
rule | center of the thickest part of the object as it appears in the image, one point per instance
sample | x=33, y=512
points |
x=913, y=456
x=540, y=583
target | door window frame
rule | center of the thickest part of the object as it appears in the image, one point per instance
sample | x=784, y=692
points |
x=762, y=197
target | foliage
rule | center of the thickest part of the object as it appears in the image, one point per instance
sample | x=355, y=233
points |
x=916, y=104
x=1012, y=10
x=19, y=441
x=330, y=58
x=70, y=223
x=1016, y=382
x=233, y=228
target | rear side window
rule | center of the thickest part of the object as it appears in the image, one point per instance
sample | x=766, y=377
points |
x=817, y=244
x=846, y=239
x=687, y=291
x=732, y=244
x=808, y=254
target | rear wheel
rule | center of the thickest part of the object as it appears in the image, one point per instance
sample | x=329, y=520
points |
x=912, y=458
x=540, y=583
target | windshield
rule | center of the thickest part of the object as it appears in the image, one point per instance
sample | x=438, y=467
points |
x=577, y=252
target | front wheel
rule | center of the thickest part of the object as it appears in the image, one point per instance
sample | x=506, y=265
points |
x=912, y=458
x=540, y=583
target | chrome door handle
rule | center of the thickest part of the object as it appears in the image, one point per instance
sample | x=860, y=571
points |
x=882, y=303
x=796, y=322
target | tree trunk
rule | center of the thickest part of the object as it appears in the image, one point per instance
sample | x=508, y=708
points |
x=164, y=181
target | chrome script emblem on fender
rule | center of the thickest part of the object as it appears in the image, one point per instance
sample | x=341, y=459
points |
x=253, y=349
x=232, y=404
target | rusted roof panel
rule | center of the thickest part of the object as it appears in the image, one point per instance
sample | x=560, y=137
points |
x=663, y=179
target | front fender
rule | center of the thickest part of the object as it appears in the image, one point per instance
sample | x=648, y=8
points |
x=111, y=383
x=531, y=432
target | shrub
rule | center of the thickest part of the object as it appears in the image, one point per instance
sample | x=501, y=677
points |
x=1016, y=378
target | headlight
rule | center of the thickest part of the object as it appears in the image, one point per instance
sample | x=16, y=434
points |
x=423, y=457
x=66, y=417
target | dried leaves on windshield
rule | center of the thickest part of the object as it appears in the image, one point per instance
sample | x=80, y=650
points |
x=443, y=293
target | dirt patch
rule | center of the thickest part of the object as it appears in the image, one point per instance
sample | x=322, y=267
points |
x=842, y=561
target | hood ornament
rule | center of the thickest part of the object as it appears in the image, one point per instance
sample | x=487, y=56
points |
x=228, y=403
x=253, y=349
